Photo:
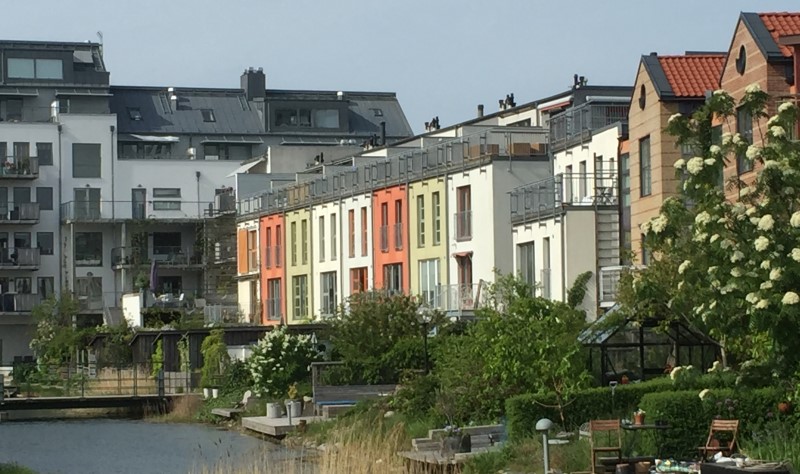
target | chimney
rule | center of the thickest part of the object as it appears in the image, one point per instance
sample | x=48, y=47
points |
x=480, y=110
x=254, y=84
x=383, y=133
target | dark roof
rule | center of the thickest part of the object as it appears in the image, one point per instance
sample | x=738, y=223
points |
x=767, y=28
x=686, y=76
x=231, y=112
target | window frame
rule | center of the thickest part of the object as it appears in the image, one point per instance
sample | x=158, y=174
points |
x=645, y=184
x=98, y=251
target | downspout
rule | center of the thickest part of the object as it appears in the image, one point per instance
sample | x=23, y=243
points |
x=340, y=247
x=60, y=218
x=113, y=207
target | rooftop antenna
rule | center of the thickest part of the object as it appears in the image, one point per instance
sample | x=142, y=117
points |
x=100, y=37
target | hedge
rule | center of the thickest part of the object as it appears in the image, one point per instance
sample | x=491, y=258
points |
x=689, y=417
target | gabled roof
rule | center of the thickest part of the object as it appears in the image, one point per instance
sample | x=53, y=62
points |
x=686, y=76
x=157, y=113
x=767, y=28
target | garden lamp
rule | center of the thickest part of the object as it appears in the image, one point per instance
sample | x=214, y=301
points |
x=543, y=426
x=424, y=313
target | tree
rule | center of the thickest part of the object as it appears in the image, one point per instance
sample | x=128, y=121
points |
x=730, y=267
x=215, y=358
x=57, y=340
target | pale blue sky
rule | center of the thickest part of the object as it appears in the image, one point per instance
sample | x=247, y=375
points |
x=442, y=57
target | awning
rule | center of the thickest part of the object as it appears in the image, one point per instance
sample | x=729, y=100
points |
x=150, y=138
x=462, y=254
x=233, y=139
x=557, y=105
x=16, y=91
x=82, y=92
x=246, y=167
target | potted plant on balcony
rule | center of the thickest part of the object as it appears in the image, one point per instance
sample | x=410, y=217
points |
x=293, y=406
x=638, y=417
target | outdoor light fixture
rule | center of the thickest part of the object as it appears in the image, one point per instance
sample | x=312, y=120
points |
x=543, y=426
x=424, y=313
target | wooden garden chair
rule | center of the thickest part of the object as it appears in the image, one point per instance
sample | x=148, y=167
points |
x=605, y=436
x=713, y=446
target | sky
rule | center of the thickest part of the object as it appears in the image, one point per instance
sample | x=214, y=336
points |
x=441, y=57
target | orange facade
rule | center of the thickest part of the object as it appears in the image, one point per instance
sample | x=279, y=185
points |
x=390, y=239
x=272, y=276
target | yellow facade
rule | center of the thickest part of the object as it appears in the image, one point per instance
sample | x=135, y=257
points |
x=298, y=258
x=428, y=237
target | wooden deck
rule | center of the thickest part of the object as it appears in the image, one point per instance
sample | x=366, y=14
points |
x=227, y=412
x=275, y=426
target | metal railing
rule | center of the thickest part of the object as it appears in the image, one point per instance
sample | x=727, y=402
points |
x=575, y=125
x=16, y=257
x=19, y=302
x=273, y=309
x=218, y=313
x=22, y=213
x=463, y=224
x=26, y=167
x=159, y=209
x=165, y=255
x=458, y=297
x=278, y=255
x=548, y=197
x=384, y=238
x=398, y=236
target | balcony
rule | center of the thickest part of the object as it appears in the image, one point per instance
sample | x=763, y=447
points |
x=19, y=167
x=15, y=303
x=162, y=210
x=225, y=250
x=575, y=125
x=384, y=238
x=19, y=258
x=553, y=196
x=463, y=225
x=25, y=213
x=398, y=236
x=166, y=256
x=452, y=298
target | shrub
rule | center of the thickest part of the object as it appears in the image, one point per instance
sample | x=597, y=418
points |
x=280, y=359
x=157, y=360
x=416, y=396
x=215, y=358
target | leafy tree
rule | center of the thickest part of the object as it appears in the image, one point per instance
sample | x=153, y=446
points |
x=215, y=358
x=157, y=360
x=730, y=267
x=57, y=340
x=117, y=350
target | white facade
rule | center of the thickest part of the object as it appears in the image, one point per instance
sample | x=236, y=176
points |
x=326, y=252
x=361, y=206
x=249, y=287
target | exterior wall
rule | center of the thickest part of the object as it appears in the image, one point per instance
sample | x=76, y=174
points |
x=599, y=155
x=428, y=250
x=298, y=267
x=248, y=276
x=581, y=256
x=392, y=253
x=327, y=251
x=664, y=152
x=360, y=259
x=536, y=233
x=273, y=265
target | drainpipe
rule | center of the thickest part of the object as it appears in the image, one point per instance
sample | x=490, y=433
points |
x=60, y=246
x=113, y=206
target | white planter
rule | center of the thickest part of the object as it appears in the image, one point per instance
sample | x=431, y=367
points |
x=214, y=392
x=293, y=408
x=206, y=393
x=274, y=410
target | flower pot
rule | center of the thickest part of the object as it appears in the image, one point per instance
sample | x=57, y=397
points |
x=274, y=410
x=293, y=408
x=214, y=392
x=206, y=393
x=784, y=407
x=638, y=418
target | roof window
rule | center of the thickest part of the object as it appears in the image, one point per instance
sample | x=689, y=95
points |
x=135, y=114
x=208, y=115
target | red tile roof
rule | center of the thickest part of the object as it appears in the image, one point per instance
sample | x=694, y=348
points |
x=781, y=24
x=693, y=74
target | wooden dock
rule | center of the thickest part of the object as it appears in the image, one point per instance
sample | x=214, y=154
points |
x=276, y=426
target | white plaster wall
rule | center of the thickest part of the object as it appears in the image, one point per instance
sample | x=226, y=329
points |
x=604, y=143
x=482, y=243
x=328, y=210
x=536, y=232
x=355, y=203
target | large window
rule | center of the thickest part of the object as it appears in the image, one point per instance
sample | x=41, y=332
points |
x=437, y=218
x=146, y=151
x=274, y=299
x=44, y=151
x=393, y=278
x=306, y=118
x=420, y=221
x=334, y=238
x=226, y=151
x=300, y=297
x=358, y=280
x=86, y=161
x=168, y=244
x=321, y=239
x=429, y=281
x=744, y=126
x=44, y=196
x=24, y=68
x=328, y=293
x=44, y=240
x=88, y=249
x=645, y=167
x=526, y=263
x=463, y=213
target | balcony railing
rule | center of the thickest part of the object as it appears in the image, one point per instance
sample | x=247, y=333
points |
x=278, y=255
x=273, y=309
x=20, y=258
x=24, y=167
x=458, y=297
x=159, y=209
x=22, y=213
x=545, y=282
x=164, y=255
x=384, y=238
x=575, y=125
x=19, y=302
x=225, y=250
x=463, y=225
x=398, y=236
x=548, y=197
x=252, y=261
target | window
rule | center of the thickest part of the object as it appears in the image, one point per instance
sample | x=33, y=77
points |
x=334, y=237
x=351, y=233
x=45, y=287
x=293, y=243
x=22, y=285
x=89, y=249
x=22, y=240
x=87, y=203
x=384, y=227
x=146, y=151
x=44, y=151
x=268, y=249
x=166, y=205
x=166, y=192
x=437, y=219
x=274, y=299
x=545, y=278
x=463, y=213
x=321, y=238
x=464, y=270
x=645, y=170
x=398, y=224
x=11, y=110
x=22, y=195
x=583, y=185
x=23, y=68
x=44, y=240
x=300, y=296
x=567, y=182
x=44, y=196
x=208, y=115
x=307, y=118
x=525, y=263
x=226, y=151
x=625, y=172
x=169, y=243
x=328, y=293
x=90, y=292
x=429, y=281
x=278, y=249
x=21, y=150
x=358, y=280
x=86, y=160
x=393, y=278
x=134, y=114
x=377, y=112
x=744, y=126
x=364, y=232
x=420, y=221
x=252, y=249
x=304, y=239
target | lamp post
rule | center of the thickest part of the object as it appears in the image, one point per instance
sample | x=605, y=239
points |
x=424, y=314
x=543, y=426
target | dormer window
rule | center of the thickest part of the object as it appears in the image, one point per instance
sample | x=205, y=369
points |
x=135, y=114
x=208, y=115
x=377, y=112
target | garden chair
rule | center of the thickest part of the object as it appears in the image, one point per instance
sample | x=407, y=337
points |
x=729, y=428
x=605, y=436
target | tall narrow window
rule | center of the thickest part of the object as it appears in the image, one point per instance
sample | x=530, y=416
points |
x=268, y=249
x=526, y=268
x=568, y=184
x=334, y=238
x=300, y=297
x=420, y=221
x=744, y=126
x=393, y=278
x=293, y=243
x=583, y=183
x=274, y=299
x=463, y=213
x=304, y=239
x=545, y=279
x=252, y=250
x=328, y=293
x=437, y=218
x=321, y=238
x=645, y=251
x=429, y=281
x=278, y=248
x=384, y=227
x=351, y=233
x=398, y=224
x=364, y=232
x=358, y=280
x=645, y=167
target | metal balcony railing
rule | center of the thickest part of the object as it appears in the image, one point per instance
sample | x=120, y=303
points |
x=273, y=309
x=164, y=255
x=20, y=257
x=548, y=197
x=457, y=297
x=159, y=209
x=278, y=255
x=19, y=167
x=384, y=238
x=575, y=125
x=19, y=302
x=463, y=224
x=398, y=236
x=22, y=213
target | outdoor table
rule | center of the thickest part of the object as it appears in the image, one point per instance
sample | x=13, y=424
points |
x=636, y=429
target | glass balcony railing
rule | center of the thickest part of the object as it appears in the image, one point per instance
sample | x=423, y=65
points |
x=19, y=302
x=19, y=167
x=159, y=209
x=19, y=258
x=164, y=255
x=22, y=213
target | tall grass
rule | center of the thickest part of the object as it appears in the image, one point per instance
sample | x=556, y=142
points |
x=775, y=442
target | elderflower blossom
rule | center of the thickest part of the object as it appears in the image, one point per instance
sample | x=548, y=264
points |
x=726, y=244
x=704, y=393
x=736, y=272
x=777, y=131
x=750, y=210
x=737, y=255
x=752, y=88
x=762, y=304
x=674, y=117
x=674, y=373
x=771, y=164
x=702, y=218
x=785, y=107
x=726, y=139
x=766, y=285
x=795, y=254
x=766, y=222
x=737, y=139
x=753, y=152
x=659, y=223
x=751, y=298
x=761, y=243
x=795, y=219
x=790, y=298
x=788, y=190
x=773, y=120
x=709, y=161
x=712, y=269
x=744, y=191
x=755, y=220
x=683, y=266
x=775, y=274
x=714, y=238
x=645, y=227
x=700, y=237
x=695, y=165
x=765, y=265
x=715, y=149
x=680, y=164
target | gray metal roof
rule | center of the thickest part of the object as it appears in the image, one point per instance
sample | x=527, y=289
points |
x=766, y=43
x=159, y=114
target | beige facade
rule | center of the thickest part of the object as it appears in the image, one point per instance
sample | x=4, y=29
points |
x=428, y=238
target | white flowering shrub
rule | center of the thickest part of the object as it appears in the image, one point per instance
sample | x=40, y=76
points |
x=731, y=268
x=279, y=360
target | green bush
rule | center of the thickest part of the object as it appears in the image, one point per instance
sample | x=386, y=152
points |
x=416, y=396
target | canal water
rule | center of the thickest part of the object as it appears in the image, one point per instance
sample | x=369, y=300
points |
x=134, y=446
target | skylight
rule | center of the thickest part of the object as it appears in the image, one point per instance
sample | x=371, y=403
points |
x=208, y=115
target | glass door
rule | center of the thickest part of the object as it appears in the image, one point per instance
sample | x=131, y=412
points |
x=138, y=200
